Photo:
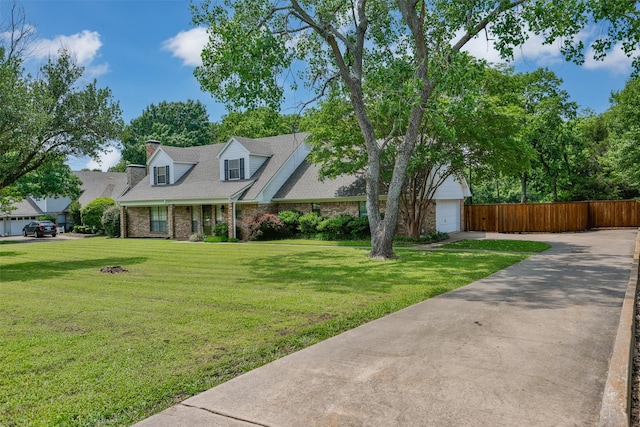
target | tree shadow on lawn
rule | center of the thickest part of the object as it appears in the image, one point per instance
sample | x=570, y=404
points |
x=10, y=253
x=35, y=270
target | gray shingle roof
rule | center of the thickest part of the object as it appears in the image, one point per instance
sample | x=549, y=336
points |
x=255, y=146
x=182, y=155
x=305, y=185
x=202, y=181
x=25, y=207
x=100, y=184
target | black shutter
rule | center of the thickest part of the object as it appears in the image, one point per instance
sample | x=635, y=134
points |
x=242, y=168
x=166, y=178
x=226, y=170
x=155, y=175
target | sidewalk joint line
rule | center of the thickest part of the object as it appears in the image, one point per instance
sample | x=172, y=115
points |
x=222, y=414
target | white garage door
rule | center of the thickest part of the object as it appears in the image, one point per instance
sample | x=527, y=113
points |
x=448, y=215
x=12, y=227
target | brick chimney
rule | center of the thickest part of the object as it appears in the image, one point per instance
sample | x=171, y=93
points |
x=152, y=146
x=135, y=174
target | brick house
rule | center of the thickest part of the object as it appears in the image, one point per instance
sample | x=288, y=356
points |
x=181, y=191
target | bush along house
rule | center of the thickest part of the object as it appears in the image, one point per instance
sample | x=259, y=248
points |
x=181, y=191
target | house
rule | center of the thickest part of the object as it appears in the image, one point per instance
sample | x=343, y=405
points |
x=181, y=191
x=94, y=184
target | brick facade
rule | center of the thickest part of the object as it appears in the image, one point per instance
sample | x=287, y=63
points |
x=428, y=221
x=181, y=222
x=136, y=221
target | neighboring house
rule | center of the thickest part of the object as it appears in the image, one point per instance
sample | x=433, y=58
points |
x=181, y=191
x=94, y=184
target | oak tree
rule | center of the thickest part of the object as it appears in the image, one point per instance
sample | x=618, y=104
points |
x=255, y=46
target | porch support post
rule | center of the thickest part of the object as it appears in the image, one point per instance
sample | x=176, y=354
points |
x=171, y=222
x=233, y=219
x=123, y=223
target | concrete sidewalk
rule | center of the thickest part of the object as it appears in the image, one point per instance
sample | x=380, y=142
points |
x=529, y=345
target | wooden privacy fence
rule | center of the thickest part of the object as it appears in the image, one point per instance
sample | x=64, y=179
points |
x=551, y=217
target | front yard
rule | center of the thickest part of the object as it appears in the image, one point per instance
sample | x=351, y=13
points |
x=81, y=347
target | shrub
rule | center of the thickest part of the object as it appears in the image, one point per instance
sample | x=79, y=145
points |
x=92, y=213
x=359, y=228
x=81, y=229
x=221, y=229
x=111, y=221
x=265, y=226
x=48, y=217
x=196, y=237
x=336, y=228
x=291, y=221
x=215, y=239
x=309, y=223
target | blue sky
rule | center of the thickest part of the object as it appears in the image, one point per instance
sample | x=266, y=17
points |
x=145, y=51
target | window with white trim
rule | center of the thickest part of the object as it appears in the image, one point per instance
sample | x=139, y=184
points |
x=161, y=175
x=234, y=169
x=158, y=216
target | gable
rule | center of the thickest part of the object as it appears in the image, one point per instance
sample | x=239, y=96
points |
x=247, y=155
x=170, y=164
x=453, y=189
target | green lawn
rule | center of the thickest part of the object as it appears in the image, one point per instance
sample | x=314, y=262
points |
x=81, y=347
x=499, y=245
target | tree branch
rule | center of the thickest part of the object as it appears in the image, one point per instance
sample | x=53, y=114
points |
x=472, y=32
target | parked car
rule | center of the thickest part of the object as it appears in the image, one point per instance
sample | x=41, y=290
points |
x=40, y=228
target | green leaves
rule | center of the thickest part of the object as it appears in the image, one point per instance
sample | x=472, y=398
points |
x=47, y=118
x=179, y=124
x=624, y=127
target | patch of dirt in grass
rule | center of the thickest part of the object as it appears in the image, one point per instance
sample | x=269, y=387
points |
x=114, y=269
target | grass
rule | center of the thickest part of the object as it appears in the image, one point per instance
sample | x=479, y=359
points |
x=85, y=348
x=316, y=242
x=499, y=245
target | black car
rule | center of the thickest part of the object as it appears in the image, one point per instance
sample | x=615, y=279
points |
x=40, y=228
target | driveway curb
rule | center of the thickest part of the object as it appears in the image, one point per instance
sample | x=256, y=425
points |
x=616, y=399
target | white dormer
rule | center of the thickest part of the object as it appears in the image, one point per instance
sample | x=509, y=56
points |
x=240, y=158
x=164, y=169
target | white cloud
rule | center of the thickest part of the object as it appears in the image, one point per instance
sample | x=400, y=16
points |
x=616, y=61
x=548, y=55
x=188, y=45
x=107, y=159
x=532, y=50
x=83, y=46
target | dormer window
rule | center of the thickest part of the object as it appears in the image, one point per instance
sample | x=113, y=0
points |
x=234, y=169
x=161, y=175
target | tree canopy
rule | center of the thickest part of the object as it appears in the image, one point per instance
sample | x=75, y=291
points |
x=45, y=119
x=624, y=119
x=254, y=46
x=254, y=123
x=179, y=124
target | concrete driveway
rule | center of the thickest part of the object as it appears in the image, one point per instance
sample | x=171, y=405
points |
x=527, y=346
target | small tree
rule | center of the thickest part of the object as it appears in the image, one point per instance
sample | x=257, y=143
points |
x=74, y=213
x=92, y=213
x=111, y=221
x=265, y=226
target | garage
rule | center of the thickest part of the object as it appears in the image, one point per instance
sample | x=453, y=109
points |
x=448, y=215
